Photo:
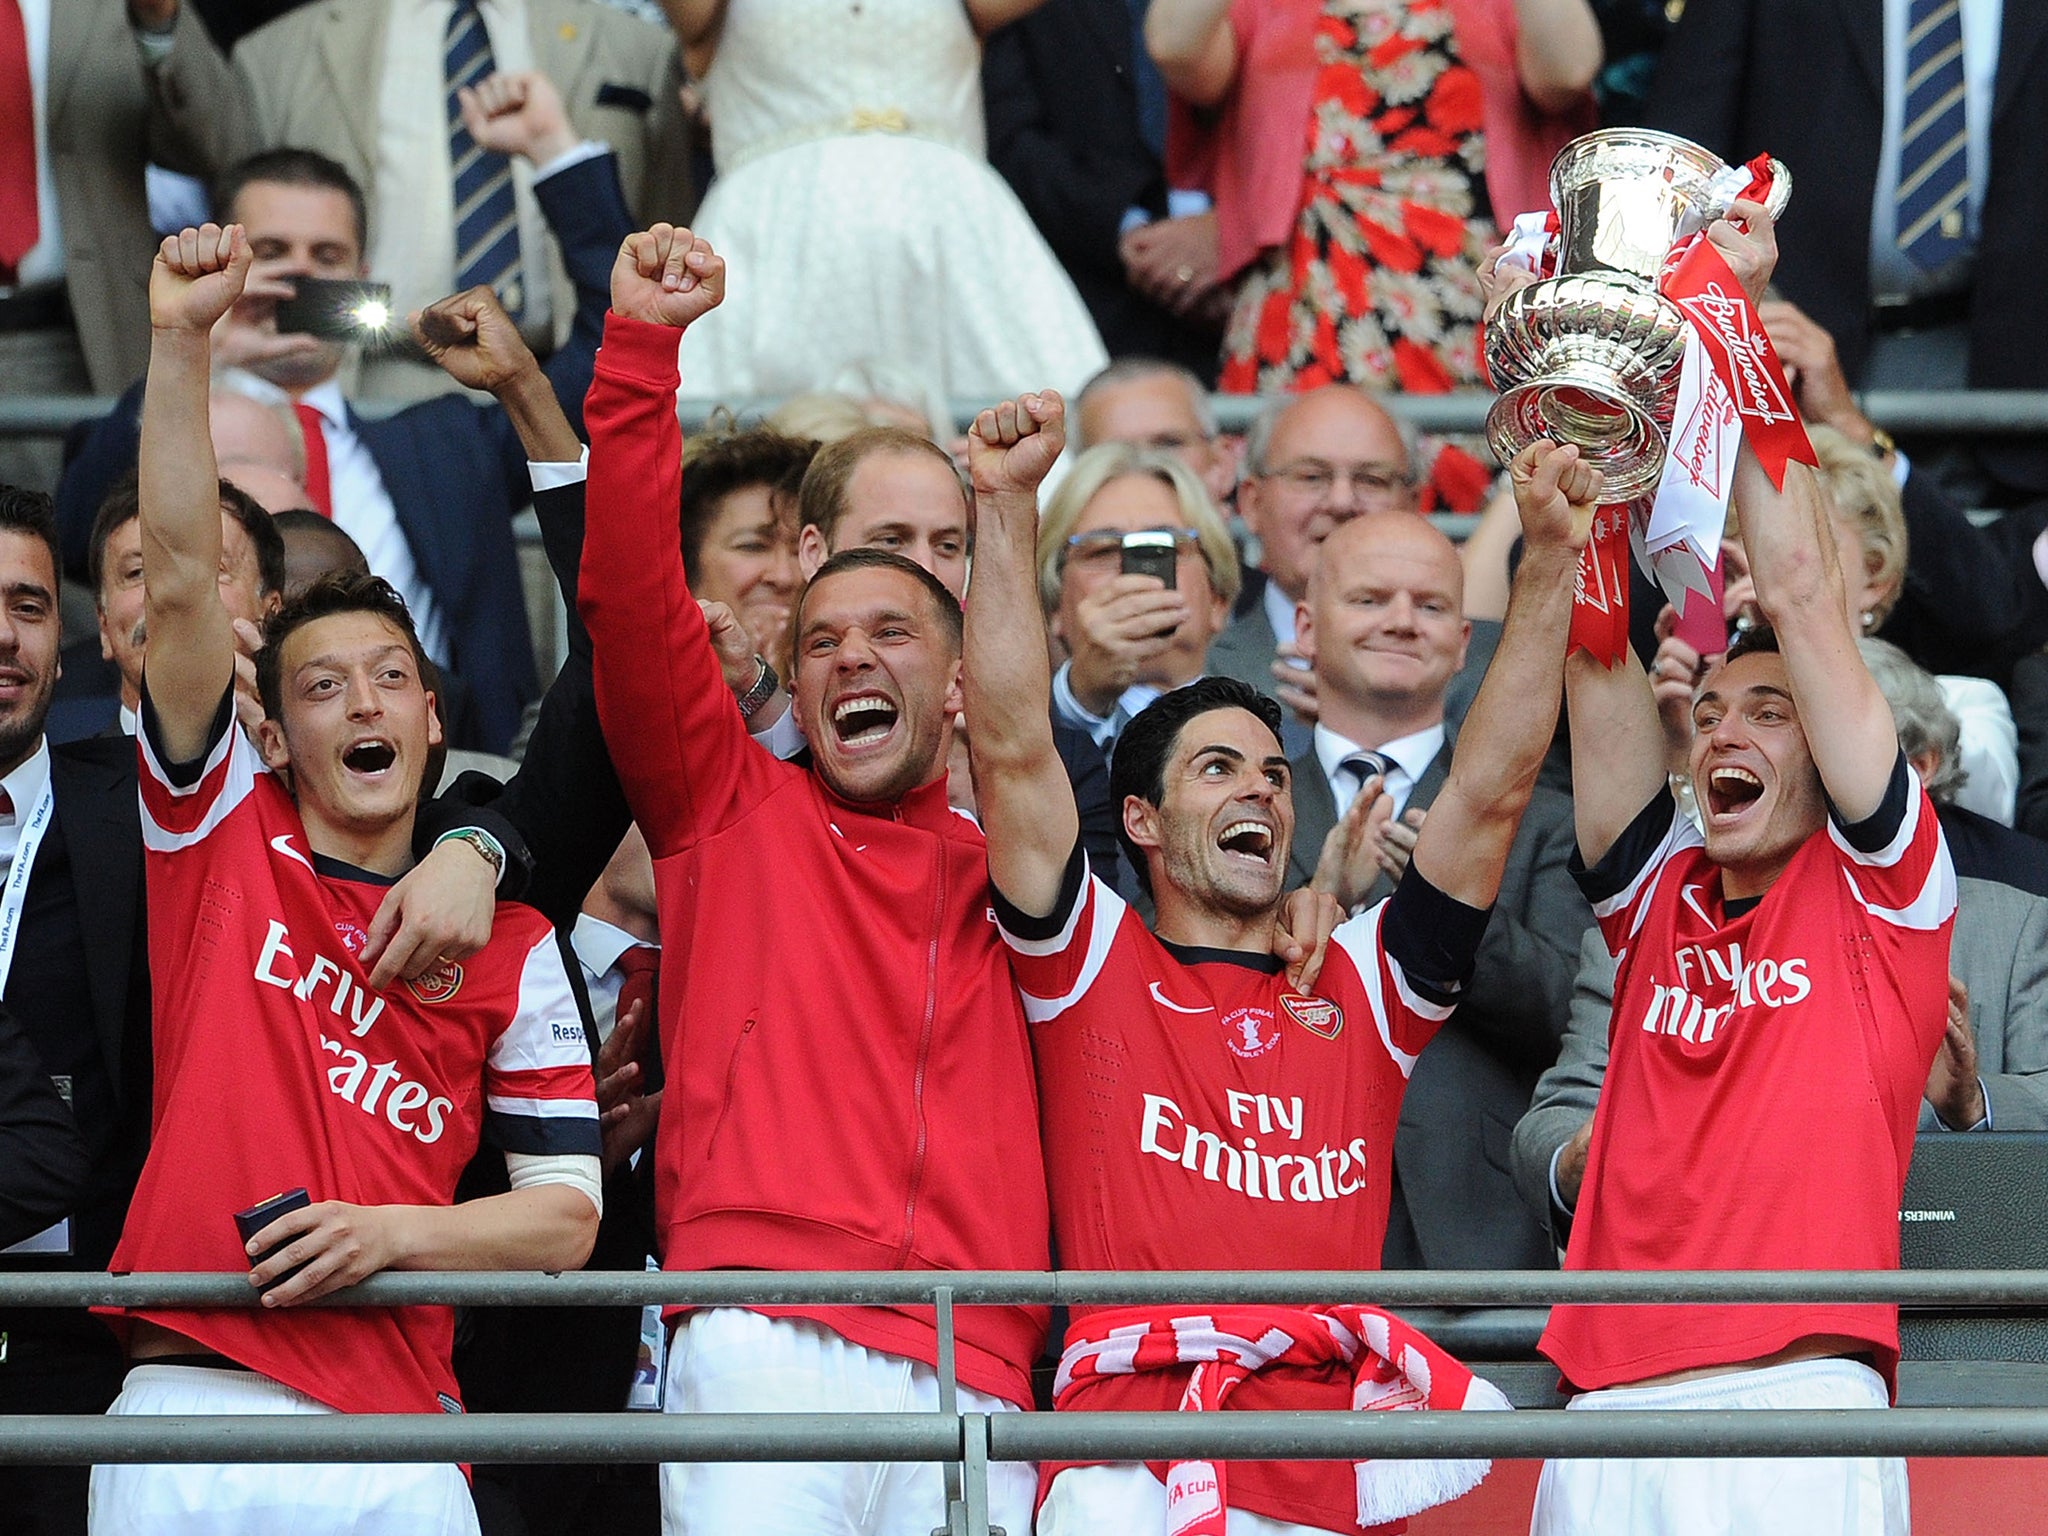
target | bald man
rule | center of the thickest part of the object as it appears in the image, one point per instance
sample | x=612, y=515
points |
x=1382, y=623
x=1313, y=462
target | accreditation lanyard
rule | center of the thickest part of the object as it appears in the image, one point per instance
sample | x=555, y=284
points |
x=15, y=897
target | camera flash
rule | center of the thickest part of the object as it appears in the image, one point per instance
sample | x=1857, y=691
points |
x=372, y=315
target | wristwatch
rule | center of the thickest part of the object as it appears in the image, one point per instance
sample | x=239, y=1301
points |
x=486, y=846
x=1881, y=444
x=765, y=684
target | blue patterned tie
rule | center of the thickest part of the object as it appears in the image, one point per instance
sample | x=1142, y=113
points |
x=1934, y=159
x=486, y=217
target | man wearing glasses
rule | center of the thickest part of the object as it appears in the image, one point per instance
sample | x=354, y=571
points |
x=1311, y=463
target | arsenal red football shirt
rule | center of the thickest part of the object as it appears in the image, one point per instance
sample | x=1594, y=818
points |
x=1764, y=1075
x=1198, y=1114
x=277, y=1067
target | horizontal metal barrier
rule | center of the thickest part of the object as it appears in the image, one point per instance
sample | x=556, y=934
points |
x=1974, y=412
x=944, y=1437
x=964, y=1444
x=2006, y=1289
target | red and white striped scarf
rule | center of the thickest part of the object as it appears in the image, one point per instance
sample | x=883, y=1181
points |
x=1393, y=1367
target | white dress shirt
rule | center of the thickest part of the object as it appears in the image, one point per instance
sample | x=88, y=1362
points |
x=1279, y=612
x=412, y=224
x=598, y=945
x=1410, y=755
x=1103, y=730
x=362, y=506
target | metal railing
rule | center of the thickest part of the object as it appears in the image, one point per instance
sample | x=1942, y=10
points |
x=1971, y=412
x=965, y=1443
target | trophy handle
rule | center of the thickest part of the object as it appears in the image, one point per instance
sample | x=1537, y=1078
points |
x=1776, y=199
x=1781, y=189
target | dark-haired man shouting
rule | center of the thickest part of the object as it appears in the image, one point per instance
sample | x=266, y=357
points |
x=1199, y=1113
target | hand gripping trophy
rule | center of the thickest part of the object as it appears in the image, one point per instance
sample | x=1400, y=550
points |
x=1593, y=354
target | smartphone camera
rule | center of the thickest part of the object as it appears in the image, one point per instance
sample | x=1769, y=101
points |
x=1153, y=552
x=341, y=309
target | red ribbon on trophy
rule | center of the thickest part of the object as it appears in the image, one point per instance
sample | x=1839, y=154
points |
x=1599, y=624
x=1732, y=341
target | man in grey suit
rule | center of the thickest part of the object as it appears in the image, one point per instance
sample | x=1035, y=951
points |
x=364, y=82
x=1311, y=463
x=74, y=315
x=1991, y=1072
x=1384, y=631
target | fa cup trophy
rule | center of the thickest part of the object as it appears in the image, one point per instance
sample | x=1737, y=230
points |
x=1592, y=355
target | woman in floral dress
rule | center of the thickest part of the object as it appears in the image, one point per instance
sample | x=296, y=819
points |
x=1355, y=244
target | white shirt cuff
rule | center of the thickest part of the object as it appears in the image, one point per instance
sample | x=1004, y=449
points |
x=552, y=477
x=1556, y=1198
x=589, y=149
x=1901, y=467
x=784, y=739
x=2041, y=557
x=155, y=47
x=1186, y=202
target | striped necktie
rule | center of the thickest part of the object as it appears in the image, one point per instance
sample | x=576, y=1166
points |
x=1934, y=159
x=1366, y=765
x=486, y=217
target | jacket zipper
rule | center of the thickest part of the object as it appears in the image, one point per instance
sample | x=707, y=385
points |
x=732, y=1072
x=924, y=1048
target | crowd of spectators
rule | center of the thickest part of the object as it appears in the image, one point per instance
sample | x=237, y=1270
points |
x=1139, y=203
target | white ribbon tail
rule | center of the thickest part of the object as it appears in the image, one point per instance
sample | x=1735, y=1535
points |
x=1690, y=509
x=1528, y=241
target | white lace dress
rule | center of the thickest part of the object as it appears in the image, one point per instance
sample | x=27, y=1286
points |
x=859, y=217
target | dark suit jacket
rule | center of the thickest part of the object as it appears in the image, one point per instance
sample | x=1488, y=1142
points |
x=1805, y=80
x=93, y=784
x=454, y=470
x=43, y=1163
x=1973, y=601
x=1473, y=1081
x=1063, y=130
x=2030, y=709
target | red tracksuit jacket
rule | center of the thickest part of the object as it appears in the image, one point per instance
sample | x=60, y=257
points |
x=849, y=1078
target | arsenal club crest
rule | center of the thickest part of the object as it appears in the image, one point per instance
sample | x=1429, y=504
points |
x=1317, y=1015
x=438, y=984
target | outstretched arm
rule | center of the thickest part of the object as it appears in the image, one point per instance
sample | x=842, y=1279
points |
x=1463, y=845
x=197, y=277
x=1020, y=784
x=1799, y=587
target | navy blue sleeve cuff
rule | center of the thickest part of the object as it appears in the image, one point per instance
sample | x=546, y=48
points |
x=1023, y=925
x=1876, y=831
x=1433, y=937
x=1631, y=853
x=185, y=775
